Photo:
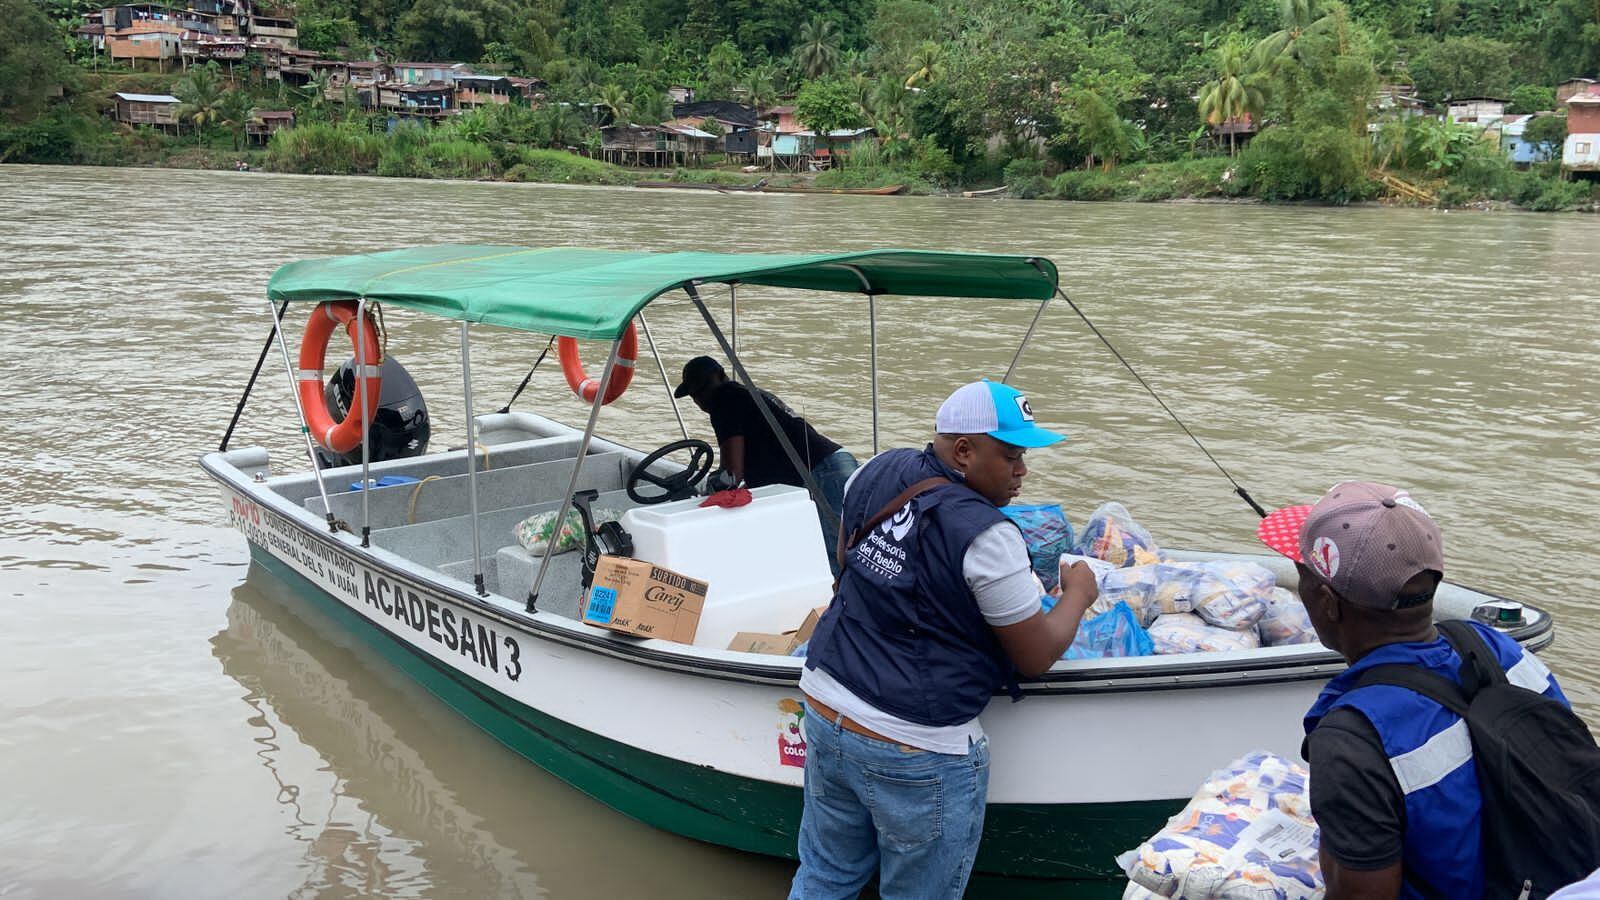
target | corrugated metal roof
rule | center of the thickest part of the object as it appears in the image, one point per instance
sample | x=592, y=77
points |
x=147, y=98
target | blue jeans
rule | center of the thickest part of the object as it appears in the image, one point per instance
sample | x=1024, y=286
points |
x=911, y=817
x=831, y=474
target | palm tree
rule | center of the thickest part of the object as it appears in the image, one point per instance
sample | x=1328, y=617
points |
x=202, y=97
x=817, y=51
x=927, y=64
x=763, y=88
x=1299, y=18
x=1235, y=93
x=236, y=110
x=317, y=90
x=615, y=101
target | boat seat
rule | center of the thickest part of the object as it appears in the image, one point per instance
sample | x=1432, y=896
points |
x=447, y=497
x=562, y=593
x=301, y=485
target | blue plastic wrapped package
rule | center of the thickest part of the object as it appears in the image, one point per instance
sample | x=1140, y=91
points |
x=800, y=651
x=1246, y=835
x=1115, y=633
x=1111, y=534
x=1048, y=534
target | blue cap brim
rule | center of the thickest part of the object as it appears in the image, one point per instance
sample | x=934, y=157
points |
x=1032, y=436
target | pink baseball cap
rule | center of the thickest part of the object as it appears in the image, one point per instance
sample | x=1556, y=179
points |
x=1365, y=539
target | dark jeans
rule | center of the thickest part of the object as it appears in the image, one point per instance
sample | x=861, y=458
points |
x=831, y=474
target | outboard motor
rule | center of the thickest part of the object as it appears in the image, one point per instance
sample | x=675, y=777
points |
x=609, y=539
x=400, y=428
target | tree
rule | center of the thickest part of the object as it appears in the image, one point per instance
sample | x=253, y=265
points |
x=1297, y=18
x=235, y=112
x=454, y=29
x=615, y=101
x=1235, y=93
x=1462, y=67
x=818, y=49
x=32, y=64
x=1547, y=133
x=316, y=91
x=724, y=65
x=1531, y=98
x=201, y=96
x=1571, y=38
x=927, y=64
x=828, y=105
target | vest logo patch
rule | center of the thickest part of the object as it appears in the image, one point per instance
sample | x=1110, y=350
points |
x=899, y=524
x=791, y=743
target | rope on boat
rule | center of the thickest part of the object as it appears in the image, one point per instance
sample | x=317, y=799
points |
x=1237, y=487
x=529, y=377
x=411, y=506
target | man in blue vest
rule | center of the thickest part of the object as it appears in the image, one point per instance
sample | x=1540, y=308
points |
x=936, y=610
x=1393, y=785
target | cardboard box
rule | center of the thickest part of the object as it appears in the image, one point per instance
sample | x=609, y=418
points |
x=761, y=642
x=636, y=597
x=809, y=625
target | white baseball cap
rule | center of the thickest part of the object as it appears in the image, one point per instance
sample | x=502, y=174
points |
x=998, y=410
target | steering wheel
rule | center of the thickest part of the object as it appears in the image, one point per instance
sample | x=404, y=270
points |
x=678, y=486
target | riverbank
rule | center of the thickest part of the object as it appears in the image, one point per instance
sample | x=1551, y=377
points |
x=79, y=133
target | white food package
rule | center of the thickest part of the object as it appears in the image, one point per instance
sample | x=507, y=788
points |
x=1188, y=633
x=1286, y=621
x=1246, y=835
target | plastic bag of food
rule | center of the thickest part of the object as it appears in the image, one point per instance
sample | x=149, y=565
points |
x=1223, y=602
x=1048, y=534
x=1188, y=633
x=1114, y=633
x=1246, y=835
x=1286, y=621
x=1134, y=587
x=1111, y=534
x=533, y=533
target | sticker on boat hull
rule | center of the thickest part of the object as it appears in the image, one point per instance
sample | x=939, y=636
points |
x=791, y=743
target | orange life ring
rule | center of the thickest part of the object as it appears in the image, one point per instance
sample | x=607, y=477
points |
x=586, y=387
x=340, y=437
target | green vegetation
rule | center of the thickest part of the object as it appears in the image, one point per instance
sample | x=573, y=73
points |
x=1095, y=99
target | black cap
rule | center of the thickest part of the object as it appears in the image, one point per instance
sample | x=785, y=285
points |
x=697, y=374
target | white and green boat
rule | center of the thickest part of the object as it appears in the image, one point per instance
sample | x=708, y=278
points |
x=693, y=738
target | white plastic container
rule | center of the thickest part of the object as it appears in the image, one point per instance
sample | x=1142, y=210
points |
x=764, y=561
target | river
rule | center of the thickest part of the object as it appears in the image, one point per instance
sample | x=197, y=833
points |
x=170, y=727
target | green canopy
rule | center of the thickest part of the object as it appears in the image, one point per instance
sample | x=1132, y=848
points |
x=595, y=293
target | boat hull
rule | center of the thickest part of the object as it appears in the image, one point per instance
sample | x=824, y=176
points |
x=1049, y=842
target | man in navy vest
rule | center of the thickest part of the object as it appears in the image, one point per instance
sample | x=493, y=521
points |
x=1393, y=785
x=936, y=610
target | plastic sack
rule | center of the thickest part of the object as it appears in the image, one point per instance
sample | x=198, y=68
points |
x=1137, y=891
x=1286, y=621
x=1115, y=633
x=1183, y=587
x=1188, y=633
x=1111, y=534
x=1246, y=835
x=1048, y=534
x=1228, y=602
x=533, y=533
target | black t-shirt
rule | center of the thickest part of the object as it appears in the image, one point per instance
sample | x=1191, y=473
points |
x=1355, y=796
x=734, y=414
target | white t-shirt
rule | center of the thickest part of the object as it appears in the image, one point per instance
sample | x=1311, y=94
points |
x=997, y=569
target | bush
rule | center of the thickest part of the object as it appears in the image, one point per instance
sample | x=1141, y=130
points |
x=560, y=167
x=857, y=177
x=1025, y=178
x=398, y=163
x=1292, y=162
x=460, y=159
x=323, y=149
x=1561, y=195
x=1091, y=184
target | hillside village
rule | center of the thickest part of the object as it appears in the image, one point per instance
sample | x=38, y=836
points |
x=238, y=33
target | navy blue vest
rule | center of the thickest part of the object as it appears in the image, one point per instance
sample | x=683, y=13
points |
x=1431, y=754
x=904, y=632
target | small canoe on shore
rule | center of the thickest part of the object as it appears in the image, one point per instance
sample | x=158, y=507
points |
x=878, y=191
x=990, y=192
x=698, y=186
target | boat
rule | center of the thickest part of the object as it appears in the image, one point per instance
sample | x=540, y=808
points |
x=877, y=191
x=697, y=739
x=698, y=186
x=988, y=192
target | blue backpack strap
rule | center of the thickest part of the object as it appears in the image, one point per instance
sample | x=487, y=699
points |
x=1432, y=685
